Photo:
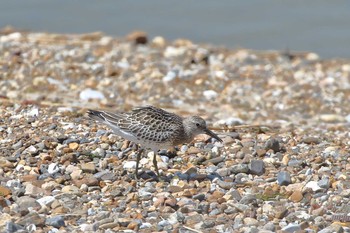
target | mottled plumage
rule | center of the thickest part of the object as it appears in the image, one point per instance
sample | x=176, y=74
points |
x=153, y=128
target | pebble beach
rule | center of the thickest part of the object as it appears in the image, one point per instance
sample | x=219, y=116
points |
x=284, y=118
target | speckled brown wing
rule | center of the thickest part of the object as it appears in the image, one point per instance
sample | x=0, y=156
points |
x=152, y=124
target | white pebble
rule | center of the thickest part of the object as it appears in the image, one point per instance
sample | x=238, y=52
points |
x=174, y=52
x=170, y=76
x=184, y=148
x=313, y=185
x=91, y=94
x=53, y=168
x=129, y=165
x=347, y=118
x=210, y=94
x=45, y=201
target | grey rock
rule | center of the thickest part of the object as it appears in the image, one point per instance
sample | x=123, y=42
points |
x=214, y=212
x=324, y=183
x=283, y=178
x=272, y=144
x=248, y=199
x=214, y=161
x=101, y=132
x=106, y=175
x=46, y=200
x=241, y=207
x=17, y=145
x=230, y=210
x=208, y=224
x=235, y=194
x=32, y=218
x=294, y=163
x=270, y=227
x=12, y=227
x=56, y=221
x=203, y=208
x=239, y=168
x=199, y=196
x=223, y=171
x=225, y=185
x=291, y=227
x=26, y=202
x=257, y=167
x=211, y=169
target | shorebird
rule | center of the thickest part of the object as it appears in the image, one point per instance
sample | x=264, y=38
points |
x=153, y=128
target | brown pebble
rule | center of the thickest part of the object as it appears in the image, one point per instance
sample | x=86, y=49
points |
x=138, y=37
x=296, y=196
x=73, y=146
x=170, y=202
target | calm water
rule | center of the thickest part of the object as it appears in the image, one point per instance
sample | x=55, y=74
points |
x=319, y=26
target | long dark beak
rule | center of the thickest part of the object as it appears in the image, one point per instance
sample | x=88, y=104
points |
x=212, y=134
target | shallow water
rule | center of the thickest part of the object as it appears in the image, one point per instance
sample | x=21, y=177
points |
x=319, y=26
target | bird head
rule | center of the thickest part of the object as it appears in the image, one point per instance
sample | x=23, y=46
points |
x=197, y=125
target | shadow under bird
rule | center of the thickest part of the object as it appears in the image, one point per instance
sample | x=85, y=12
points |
x=153, y=128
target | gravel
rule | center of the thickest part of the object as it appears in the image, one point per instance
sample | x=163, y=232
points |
x=283, y=119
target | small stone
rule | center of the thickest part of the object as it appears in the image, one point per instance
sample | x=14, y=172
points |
x=17, y=145
x=33, y=190
x=333, y=228
x=46, y=201
x=193, y=150
x=32, y=218
x=331, y=118
x=4, y=191
x=311, y=140
x=214, y=161
x=26, y=202
x=283, y=178
x=174, y=189
x=191, y=171
x=250, y=221
x=88, y=93
x=88, y=167
x=73, y=145
x=313, y=185
x=270, y=226
x=272, y=144
x=261, y=152
x=199, y=196
x=171, y=202
x=324, y=183
x=225, y=185
x=193, y=219
x=11, y=227
x=210, y=94
x=138, y=37
x=280, y=212
x=70, y=189
x=53, y=168
x=257, y=167
x=129, y=165
x=291, y=228
x=296, y=196
x=223, y=171
x=134, y=225
x=240, y=168
x=56, y=221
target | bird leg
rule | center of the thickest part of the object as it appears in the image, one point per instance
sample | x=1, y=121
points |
x=155, y=163
x=138, y=158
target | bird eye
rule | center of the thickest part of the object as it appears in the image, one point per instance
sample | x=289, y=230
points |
x=197, y=124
